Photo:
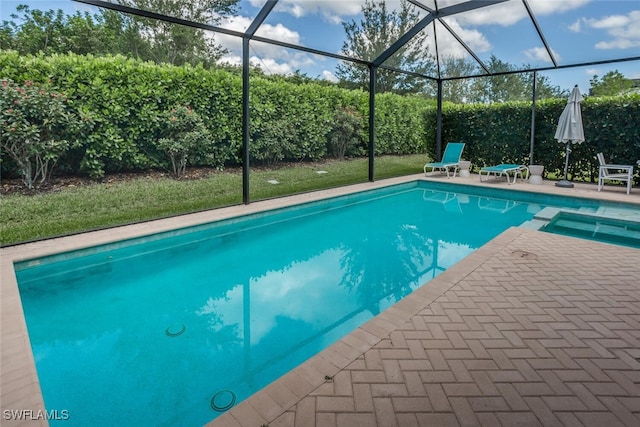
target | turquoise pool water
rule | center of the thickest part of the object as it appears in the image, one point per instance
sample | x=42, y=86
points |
x=170, y=328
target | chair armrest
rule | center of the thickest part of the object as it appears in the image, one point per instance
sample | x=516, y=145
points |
x=608, y=166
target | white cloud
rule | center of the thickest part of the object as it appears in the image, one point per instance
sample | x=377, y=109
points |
x=541, y=54
x=504, y=14
x=272, y=59
x=304, y=285
x=509, y=13
x=448, y=46
x=618, y=43
x=235, y=23
x=623, y=30
x=608, y=22
x=279, y=32
x=231, y=59
x=328, y=75
x=576, y=27
x=267, y=65
x=272, y=66
x=550, y=7
x=333, y=11
x=241, y=23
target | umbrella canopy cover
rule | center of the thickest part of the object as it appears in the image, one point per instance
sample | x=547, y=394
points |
x=570, y=123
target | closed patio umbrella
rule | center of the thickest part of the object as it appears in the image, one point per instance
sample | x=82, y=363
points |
x=570, y=129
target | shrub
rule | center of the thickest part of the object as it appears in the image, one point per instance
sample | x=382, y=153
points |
x=184, y=137
x=347, y=128
x=37, y=127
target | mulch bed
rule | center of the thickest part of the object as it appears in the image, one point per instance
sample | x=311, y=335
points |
x=58, y=183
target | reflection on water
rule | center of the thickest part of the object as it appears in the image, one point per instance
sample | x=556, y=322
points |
x=253, y=303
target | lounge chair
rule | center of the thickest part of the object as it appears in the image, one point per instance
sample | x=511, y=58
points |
x=496, y=205
x=611, y=172
x=506, y=170
x=448, y=200
x=450, y=159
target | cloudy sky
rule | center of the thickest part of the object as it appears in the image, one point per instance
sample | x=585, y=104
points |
x=577, y=31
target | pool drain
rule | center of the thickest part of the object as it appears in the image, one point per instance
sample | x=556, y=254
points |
x=223, y=400
x=524, y=255
x=175, y=330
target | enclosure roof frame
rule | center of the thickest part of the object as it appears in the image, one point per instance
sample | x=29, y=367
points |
x=378, y=62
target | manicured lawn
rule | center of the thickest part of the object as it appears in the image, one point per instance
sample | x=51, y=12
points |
x=83, y=208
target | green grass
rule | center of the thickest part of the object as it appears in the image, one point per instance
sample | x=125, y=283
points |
x=78, y=209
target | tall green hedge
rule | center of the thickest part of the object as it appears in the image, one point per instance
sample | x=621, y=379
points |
x=403, y=125
x=501, y=133
x=126, y=99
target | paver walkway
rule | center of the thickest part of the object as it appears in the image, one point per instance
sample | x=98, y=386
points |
x=533, y=329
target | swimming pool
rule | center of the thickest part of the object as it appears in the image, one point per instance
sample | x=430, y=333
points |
x=273, y=284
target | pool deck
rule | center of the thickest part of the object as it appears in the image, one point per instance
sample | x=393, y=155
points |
x=532, y=329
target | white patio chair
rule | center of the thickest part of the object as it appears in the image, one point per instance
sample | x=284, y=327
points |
x=610, y=172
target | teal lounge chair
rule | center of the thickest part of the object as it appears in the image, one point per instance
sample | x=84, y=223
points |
x=505, y=169
x=450, y=159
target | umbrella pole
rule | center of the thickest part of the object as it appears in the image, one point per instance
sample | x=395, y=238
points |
x=565, y=182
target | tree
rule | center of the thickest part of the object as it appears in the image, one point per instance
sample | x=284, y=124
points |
x=37, y=127
x=612, y=83
x=110, y=32
x=511, y=86
x=347, y=126
x=458, y=90
x=52, y=31
x=184, y=136
x=376, y=32
x=502, y=87
x=177, y=44
x=544, y=88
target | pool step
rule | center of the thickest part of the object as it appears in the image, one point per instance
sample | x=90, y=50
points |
x=598, y=229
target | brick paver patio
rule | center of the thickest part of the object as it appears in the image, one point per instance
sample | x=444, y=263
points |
x=533, y=329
